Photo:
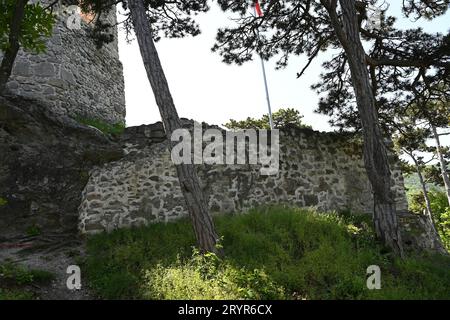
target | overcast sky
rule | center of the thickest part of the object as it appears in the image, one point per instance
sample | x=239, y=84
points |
x=205, y=89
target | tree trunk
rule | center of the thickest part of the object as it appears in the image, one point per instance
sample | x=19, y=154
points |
x=442, y=163
x=429, y=211
x=375, y=152
x=424, y=190
x=13, y=47
x=204, y=229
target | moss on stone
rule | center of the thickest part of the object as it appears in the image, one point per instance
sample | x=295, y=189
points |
x=107, y=128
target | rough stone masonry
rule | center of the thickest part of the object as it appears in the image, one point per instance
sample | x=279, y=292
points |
x=320, y=170
x=73, y=76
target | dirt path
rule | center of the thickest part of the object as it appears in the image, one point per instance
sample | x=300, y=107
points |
x=50, y=253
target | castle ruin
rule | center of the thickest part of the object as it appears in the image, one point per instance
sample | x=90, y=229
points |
x=73, y=76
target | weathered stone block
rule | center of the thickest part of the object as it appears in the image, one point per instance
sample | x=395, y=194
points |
x=44, y=69
x=67, y=76
x=22, y=68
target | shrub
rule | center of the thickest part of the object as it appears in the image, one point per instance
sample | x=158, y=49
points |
x=16, y=281
x=207, y=277
x=6, y=294
x=33, y=230
x=440, y=209
x=19, y=275
x=443, y=225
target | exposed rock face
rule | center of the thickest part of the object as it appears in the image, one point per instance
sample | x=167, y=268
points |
x=417, y=232
x=321, y=170
x=44, y=166
x=73, y=77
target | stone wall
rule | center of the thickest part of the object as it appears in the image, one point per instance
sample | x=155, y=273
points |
x=321, y=170
x=73, y=77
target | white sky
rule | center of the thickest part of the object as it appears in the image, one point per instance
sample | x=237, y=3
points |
x=205, y=89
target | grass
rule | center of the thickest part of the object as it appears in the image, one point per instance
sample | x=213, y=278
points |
x=16, y=281
x=270, y=253
x=111, y=129
x=3, y=202
x=15, y=294
x=33, y=230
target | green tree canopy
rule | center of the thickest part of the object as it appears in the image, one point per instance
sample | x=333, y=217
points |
x=282, y=118
x=36, y=25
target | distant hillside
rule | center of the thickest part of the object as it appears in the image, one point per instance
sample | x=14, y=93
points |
x=412, y=183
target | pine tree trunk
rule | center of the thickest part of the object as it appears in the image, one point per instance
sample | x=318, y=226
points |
x=442, y=163
x=375, y=152
x=11, y=52
x=425, y=192
x=190, y=185
x=429, y=211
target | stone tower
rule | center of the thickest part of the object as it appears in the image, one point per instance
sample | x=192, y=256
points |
x=73, y=77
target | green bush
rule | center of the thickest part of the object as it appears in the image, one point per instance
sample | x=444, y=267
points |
x=16, y=281
x=443, y=225
x=116, y=260
x=6, y=294
x=439, y=201
x=440, y=209
x=33, y=230
x=207, y=277
x=270, y=253
x=3, y=202
x=19, y=275
x=12, y=273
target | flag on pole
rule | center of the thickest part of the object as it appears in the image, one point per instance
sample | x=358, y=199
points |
x=258, y=9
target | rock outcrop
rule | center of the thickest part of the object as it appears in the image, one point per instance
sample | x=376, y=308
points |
x=45, y=161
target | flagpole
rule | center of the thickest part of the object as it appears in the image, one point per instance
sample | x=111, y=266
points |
x=267, y=92
x=263, y=66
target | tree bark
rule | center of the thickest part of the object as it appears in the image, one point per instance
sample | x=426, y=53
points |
x=424, y=190
x=375, y=152
x=429, y=211
x=442, y=164
x=204, y=229
x=13, y=48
